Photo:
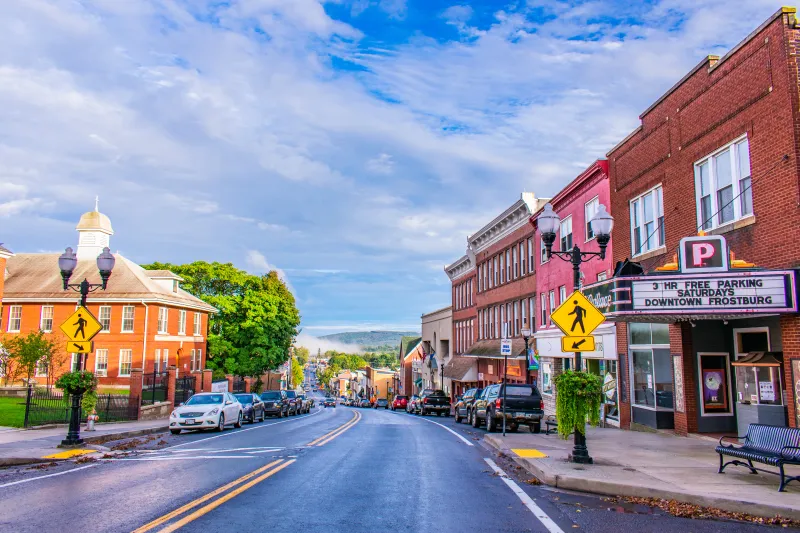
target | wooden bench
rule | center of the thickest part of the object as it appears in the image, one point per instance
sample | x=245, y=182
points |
x=772, y=445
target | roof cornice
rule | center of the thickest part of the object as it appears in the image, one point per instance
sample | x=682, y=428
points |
x=506, y=223
x=463, y=265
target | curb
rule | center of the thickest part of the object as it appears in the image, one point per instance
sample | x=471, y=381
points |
x=611, y=488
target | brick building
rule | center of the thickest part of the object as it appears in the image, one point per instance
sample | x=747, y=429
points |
x=148, y=320
x=575, y=204
x=437, y=327
x=500, y=269
x=716, y=154
x=410, y=365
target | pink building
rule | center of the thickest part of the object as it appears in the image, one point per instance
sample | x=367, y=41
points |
x=575, y=205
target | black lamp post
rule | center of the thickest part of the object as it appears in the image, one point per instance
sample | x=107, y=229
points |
x=67, y=263
x=526, y=335
x=602, y=223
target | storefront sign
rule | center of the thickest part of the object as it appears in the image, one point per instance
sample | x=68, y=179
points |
x=609, y=386
x=704, y=254
x=766, y=391
x=219, y=386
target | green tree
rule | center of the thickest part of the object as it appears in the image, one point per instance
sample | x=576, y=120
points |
x=25, y=351
x=257, y=319
x=297, y=373
x=302, y=355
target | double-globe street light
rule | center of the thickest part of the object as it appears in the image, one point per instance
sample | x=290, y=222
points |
x=67, y=263
x=601, y=223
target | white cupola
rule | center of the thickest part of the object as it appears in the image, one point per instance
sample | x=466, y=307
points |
x=94, y=230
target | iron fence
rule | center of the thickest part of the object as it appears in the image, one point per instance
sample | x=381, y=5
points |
x=238, y=385
x=154, y=387
x=50, y=406
x=184, y=389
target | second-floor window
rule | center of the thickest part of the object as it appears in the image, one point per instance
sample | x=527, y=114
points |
x=127, y=319
x=565, y=230
x=182, y=322
x=647, y=221
x=542, y=252
x=105, y=318
x=46, y=321
x=14, y=318
x=722, y=185
x=101, y=362
x=516, y=263
x=543, y=309
x=590, y=210
x=562, y=293
x=502, y=268
x=552, y=302
x=197, y=324
x=163, y=317
x=522, y=259
x=508, y=265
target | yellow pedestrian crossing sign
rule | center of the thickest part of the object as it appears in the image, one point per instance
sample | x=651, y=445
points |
x=80, y=346
x=81, y=326
x=577, y=316
x=577, y=344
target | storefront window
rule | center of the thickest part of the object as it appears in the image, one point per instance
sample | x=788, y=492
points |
x=651, y=366
x=547, y=378
x=714, y=375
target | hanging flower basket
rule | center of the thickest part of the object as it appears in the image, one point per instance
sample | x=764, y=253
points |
x=578, y=398
x=78, y=382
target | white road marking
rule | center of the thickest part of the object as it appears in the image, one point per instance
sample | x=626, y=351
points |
x=183, y=457
x=258, y=448
x=48, y=475
x=262, y=426
x=468, y=443
x=546, y=521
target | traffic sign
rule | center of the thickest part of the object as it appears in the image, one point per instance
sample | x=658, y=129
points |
x=81, y=326
x=80, y=346
x=577, y=316
x=577, y=344
x=505, y=347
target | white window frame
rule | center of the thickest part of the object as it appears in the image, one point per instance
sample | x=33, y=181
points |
x=125, y=351
x=738, y=192
x=602, y=276
x=515, y=305
x=42, y=318
x=496, y=272
x=542, y=252
x=12, y=318
x=552, y=298
x=547, y=376
x=157, y=359
x=163, y=320
x=514, y=258
x=132, y=319
x=509, y=271
x=523, y=309
x=759, y=329
x=199, y=357
x=543, y=309
x=502, y=268
x=101, y=319
x=41, y=368
x=566, y=221
x=658, y=233
x=197, y=322
x=589, y=211
x=182, y=322
x=562, y=294
x=522, y=263
x=97, y=370
x=74, y=361
x=165, y=360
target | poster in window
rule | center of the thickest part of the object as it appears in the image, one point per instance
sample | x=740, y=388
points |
x=796, y=381
x=715, y=394
x=677, y=372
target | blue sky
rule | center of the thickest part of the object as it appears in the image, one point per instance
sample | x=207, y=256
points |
x=351, y=144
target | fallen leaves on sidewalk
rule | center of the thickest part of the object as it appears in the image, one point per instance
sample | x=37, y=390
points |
x=43, y=466
x=689, y=510
x=85, y=459
x=533, y=481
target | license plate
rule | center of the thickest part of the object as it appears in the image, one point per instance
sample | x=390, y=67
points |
x=190, y=420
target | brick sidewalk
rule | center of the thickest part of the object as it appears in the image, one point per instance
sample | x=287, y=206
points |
x=656, y=465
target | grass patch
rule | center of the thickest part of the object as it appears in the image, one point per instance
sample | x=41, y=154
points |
x=108, y=390
x=12, y=412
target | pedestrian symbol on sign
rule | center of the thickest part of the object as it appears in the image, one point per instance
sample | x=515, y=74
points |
x=81, y=323
x=579, y=313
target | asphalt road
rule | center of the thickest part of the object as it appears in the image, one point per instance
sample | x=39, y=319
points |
x=343, y=469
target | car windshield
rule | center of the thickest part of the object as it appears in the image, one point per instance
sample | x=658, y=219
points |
x=291, y=394
x=271, y=396
x=519, y=390
x=204, y=399
x=437, y=393
x=402, y=397
x=244, y=398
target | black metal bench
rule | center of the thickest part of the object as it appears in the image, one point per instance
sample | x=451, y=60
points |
x=772, y=445
x=551, y=425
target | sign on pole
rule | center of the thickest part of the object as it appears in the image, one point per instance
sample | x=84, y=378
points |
x=81, y=326
x=80, y=346
x=577, y=316
x=577, y=344
x=505, y=347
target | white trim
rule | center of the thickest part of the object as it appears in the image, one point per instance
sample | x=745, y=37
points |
x=178, y=338
x=735, y=179
x=564, y=220
x=731, y=410
x=119, y=367
x=42, y=317
x=642, y=251
x=19, y=324
x=97, y=358
x=133, y=320
x=759, y=329
x=586, y=219
x=100, y=317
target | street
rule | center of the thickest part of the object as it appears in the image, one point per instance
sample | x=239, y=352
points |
x=342, y=469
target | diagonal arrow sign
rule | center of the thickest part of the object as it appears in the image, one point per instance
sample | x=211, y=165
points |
x=578, y=343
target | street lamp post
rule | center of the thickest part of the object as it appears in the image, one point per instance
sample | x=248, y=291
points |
x=526, y=335
x=67, y=263
x=602, y=223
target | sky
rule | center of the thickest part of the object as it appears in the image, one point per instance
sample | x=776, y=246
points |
x=352, y=145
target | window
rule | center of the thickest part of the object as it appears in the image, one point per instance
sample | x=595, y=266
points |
x=495, y=323
x=530, y=254
x=502, y=268
x=496, y=272
x=101, y=362
x=562, y=294
x=14, y=318
x=590, y=210
x=75, y=362
x=41, y=368
x=125, y=361
x=480, y=326
x=552, y=301
x=46, y=320
x=722, y=186
x=199, y=360
x=516, y=263
x=651, y=364
x=522, y=259
x=523, y=310
x=105, y=318
x=543, y=309
x=542, y=252
x=165, y=361
x=602, y=276
x=163, y=318
x=547, y=378
x=157, y=359
x=182, y=322
x=516, y=318
x=647, y=221
x=508, y=265
x=565, y=230
x=197, y=324
x=532, y=302
x=127, y=319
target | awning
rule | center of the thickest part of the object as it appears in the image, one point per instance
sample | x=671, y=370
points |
x=418, y=382
x=434, y=364
x=461, y=369
x=490, y=349
x=758, y=359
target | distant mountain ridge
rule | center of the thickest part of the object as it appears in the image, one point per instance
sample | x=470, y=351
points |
x=370, y=338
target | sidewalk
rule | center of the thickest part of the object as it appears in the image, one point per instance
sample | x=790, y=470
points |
x=654, y=465
x=26, y=446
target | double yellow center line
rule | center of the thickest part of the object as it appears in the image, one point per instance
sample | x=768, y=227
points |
x=326, y=438
x=263, y=473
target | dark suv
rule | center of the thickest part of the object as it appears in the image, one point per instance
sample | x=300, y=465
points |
x=523, y=406
x=275, y=403
x=295, y=403
x=463, y=407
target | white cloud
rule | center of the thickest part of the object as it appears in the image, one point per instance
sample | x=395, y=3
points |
x=382, y=164
x=257, y=262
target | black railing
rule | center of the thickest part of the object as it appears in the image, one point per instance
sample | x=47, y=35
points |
x=184, y=389
x=238, y=385
x=154, y=387
x=43, y=406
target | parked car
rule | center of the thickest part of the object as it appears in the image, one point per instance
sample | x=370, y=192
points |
x=252, y=407
x=365, y=403
x=381, y=403
x=294, y=405
x=523, y=406
x=207, y=410
x=413, y=404
x=434, y=401
x=400, y=402
x=305, y=406
x=275, y=403
x=463, y=406
x=329, y=402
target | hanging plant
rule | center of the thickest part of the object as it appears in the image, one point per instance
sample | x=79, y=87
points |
x=77, y=382
x=578, y=397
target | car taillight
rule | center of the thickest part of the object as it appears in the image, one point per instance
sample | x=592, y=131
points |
x=540, y=404
x=498, y=403
x=424, y=400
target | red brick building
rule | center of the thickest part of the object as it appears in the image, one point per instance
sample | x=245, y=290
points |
x=716, y=153
x=575, y=204
x=148, y=320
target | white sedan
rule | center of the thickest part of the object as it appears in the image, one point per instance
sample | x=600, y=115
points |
x=207, y=410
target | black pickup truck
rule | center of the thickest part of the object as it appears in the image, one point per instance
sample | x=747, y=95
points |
x=523, y=406
x=434, y=401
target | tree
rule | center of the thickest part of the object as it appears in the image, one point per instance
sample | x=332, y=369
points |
x=297, y=372
x=26, y=351
x=302, y=355
x=257, y=319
